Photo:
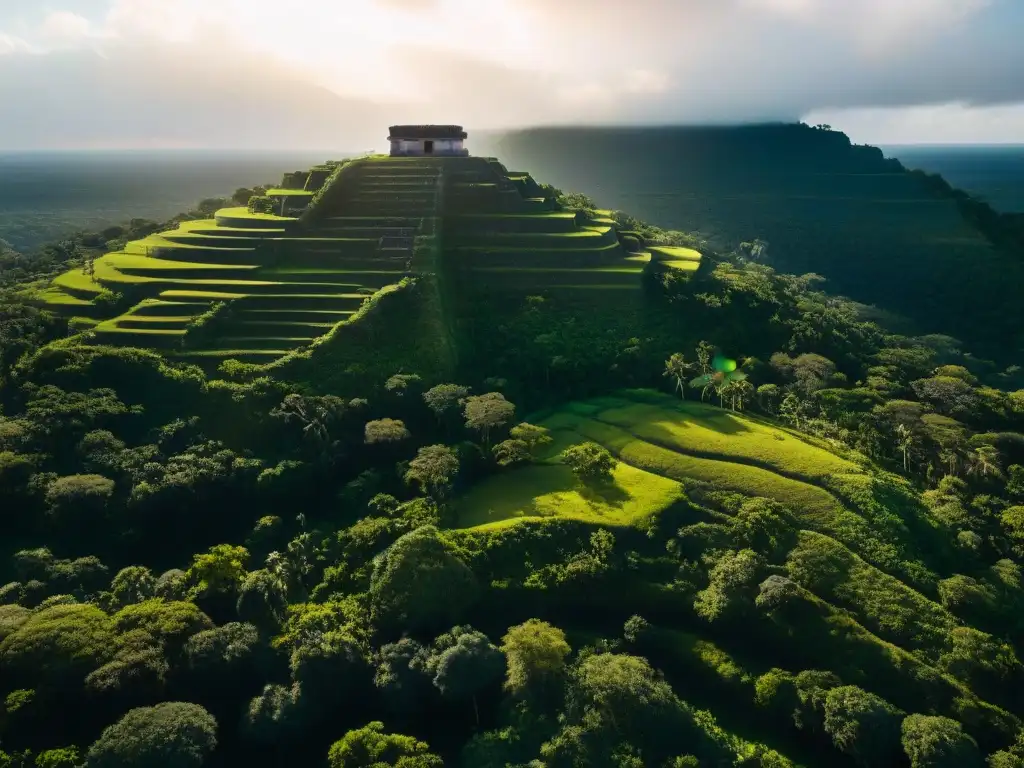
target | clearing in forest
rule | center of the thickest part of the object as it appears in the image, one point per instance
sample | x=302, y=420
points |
x=658, y=440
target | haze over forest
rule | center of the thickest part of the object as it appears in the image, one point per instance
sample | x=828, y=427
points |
x=227, y=73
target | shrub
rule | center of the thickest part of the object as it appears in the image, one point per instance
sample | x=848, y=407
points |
x=590, y=462
x=173, y=734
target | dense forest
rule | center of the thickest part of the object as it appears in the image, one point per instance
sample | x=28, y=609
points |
x=201, y=570
x=903, y=241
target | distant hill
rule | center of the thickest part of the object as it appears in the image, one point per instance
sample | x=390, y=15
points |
x=877, y=232
x=991, y=173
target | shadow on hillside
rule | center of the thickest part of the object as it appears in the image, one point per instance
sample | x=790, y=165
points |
x=724, y=423
x=603, y=492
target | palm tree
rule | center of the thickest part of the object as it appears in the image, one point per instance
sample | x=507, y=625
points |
x=676, y=368
x=722, y=371
x=904, y=439
x=721, y=389
x=948, y=456
x=741, y=390
x=704, y=353
x=985, y=459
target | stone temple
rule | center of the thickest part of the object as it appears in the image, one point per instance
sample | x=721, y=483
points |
x=427, y=141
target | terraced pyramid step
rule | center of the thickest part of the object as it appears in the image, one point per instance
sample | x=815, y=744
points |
x=275, y=343
x=328, y=316
x=360, y=278
x=532, y=240
x=278, y=328
x=155, y=322
x=241, y=218
x=510, y=222
x=340, y=301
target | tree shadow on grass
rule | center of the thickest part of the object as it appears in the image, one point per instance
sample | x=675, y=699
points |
x=603, y=492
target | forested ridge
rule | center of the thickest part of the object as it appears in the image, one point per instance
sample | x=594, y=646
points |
x=206, y=571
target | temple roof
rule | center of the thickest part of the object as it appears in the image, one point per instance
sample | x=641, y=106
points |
x=426, y=132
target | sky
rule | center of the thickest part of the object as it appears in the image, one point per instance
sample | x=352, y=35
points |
x=335, y=73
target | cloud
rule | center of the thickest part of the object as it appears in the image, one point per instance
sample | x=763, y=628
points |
x=503, y=63
x=63, y=28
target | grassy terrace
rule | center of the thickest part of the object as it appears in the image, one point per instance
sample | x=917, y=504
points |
x=285, y=282
x=289, y=279
x=697, y=446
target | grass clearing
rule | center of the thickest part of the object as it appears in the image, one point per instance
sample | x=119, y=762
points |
x=814, y=504
x=699, y=428
x=551, y=490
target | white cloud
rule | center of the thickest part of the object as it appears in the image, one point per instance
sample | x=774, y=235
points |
x=9, y=44
x=955, y=123
x=63, y=28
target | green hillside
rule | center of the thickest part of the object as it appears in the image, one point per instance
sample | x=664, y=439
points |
x=877, y=232
x=425, y=463
x=261, y=287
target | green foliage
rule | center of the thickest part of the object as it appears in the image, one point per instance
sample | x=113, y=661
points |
x=371, y=747
x=863, y=725
x=535, y=652
x=434, y=469
x=170, y=622
x=58, y=645
x=67, y=757
x=486, y=413
x=173, y=734
x=938, y=742
x=418, y=583
x=382, y=431
x=591, y=462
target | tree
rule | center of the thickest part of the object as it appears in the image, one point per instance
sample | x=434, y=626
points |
x=241, y=196
x=510, y=452
x=739, y=392
x=67, y=757
x=863, y=725
x=676, y=368
x=705, y=351
x=214, y=652
x=590, y=462
x=132, y=585
x=984, y=460
x=385, y=431
x=169, y=622
x=485, y=413
x=418, y=583
x=262, y=599
x=315, y=415
x=171, y=734
x=938, y=742
x=434, y=468
x=534, y=436
x=1015, y=482
x=370, y=747
x=79, y=500
x=273, y=717
x=535, y=652
x=219, y=571
x=732, y=578
x=468, y=666
x=402, y=675
x=58, y=645
x=950, y=396
x=445, y=398
x=904, y=441
x=402, y=384
x=768, y=397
